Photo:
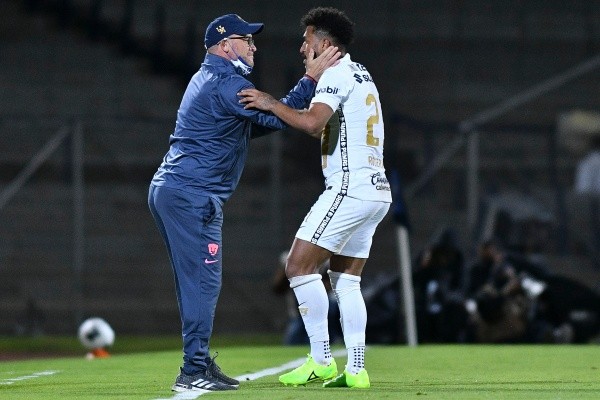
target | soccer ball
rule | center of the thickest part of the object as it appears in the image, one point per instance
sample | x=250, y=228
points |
x=96, y=333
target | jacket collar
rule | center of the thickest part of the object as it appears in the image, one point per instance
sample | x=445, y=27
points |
x=219, y=63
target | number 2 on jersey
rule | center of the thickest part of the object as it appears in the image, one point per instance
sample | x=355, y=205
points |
x=373, y=119
x=329, y=141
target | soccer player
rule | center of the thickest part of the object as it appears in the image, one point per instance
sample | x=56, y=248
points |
x=346, y=115
x=199, y=173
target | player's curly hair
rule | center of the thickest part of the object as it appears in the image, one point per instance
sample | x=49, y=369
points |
x=332, y=21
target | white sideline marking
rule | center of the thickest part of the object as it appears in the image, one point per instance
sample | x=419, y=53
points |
x=191, y=395
x=10, y=381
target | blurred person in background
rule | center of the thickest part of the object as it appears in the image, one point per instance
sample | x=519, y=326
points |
x=587, y=175
x=202, y=168
x=346, y=116
x=500, y=306
x=587, y=183
x=491, y=267
x=513, y=306
x=439, y=279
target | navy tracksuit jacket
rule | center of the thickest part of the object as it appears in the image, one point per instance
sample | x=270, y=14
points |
x=202, y=168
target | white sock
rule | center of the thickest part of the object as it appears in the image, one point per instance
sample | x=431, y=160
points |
x=313, y=305
x=356, y=359
x=353, y=314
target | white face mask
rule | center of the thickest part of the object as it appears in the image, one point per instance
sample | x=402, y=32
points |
x=241, y=66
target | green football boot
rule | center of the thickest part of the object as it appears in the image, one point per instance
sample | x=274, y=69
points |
x=346, y=379
x=310, y=371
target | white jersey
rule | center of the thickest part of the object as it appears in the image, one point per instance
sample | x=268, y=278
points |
x=352, y=141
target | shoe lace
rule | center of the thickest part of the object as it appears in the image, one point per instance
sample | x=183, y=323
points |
x=211, y=364
x=214, y=370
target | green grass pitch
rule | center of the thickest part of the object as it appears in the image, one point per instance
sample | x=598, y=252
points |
x=134, y=371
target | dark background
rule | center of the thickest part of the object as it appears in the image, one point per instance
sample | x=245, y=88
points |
x=117, y=70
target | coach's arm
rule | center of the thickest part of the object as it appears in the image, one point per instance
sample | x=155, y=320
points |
x=311, y=120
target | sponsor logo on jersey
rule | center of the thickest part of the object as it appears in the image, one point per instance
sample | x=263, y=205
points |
x=380, y=182
x=328, y=89
x=363, y=78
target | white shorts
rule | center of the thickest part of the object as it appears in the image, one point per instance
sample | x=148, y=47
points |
x=341, y=224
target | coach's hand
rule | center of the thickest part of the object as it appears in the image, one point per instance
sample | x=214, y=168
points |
x=316, y=66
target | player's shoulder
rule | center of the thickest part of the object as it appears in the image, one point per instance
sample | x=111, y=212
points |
x=346, y=69
x=337, y=73
x=351, y=65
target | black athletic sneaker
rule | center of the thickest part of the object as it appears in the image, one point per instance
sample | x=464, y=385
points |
x=213, y=370
x=199, y=381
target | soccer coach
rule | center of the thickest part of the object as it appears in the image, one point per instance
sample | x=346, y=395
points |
x=198, y=174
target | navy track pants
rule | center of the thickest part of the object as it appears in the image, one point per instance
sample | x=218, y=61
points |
x=191, y=228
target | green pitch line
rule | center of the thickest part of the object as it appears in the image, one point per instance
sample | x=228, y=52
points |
x=397, y=372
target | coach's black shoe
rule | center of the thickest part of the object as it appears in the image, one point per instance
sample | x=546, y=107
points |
x=213, y=370
x=199, y=381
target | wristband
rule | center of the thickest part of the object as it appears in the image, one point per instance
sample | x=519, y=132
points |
x=310, y=77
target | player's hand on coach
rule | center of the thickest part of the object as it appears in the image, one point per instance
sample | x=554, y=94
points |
x=253, y=98
x=316, y=66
